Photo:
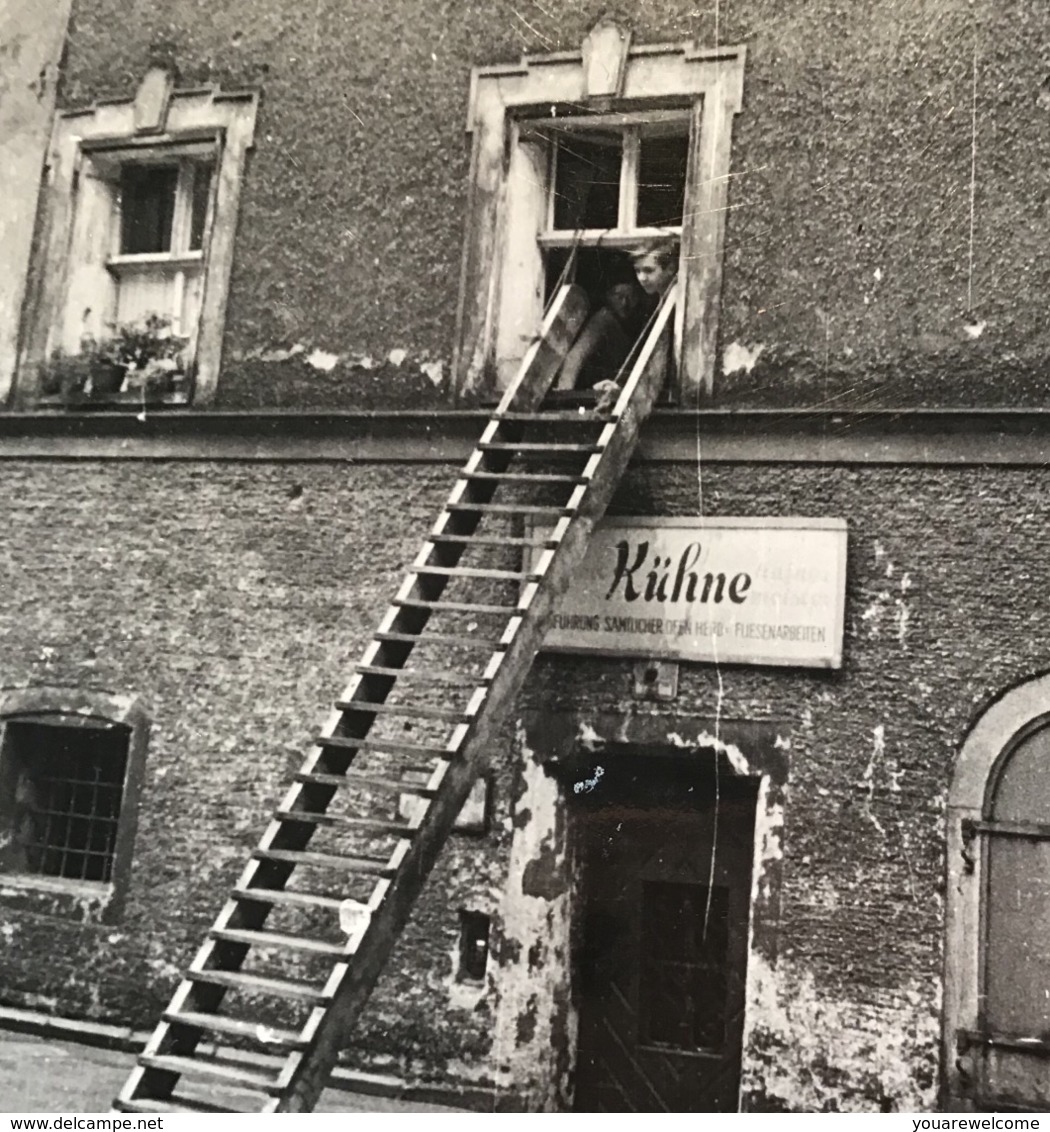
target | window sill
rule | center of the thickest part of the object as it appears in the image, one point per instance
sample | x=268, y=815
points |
x=155, y=261
x=605, y=237
x=85, y=901
x=128, y=402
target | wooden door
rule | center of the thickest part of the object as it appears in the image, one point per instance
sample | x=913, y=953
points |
x=661, y=949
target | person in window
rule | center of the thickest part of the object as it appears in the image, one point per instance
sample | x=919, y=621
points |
x=656, y=266
x=605, y=343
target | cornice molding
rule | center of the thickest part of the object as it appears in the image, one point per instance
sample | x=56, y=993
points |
x=906, y=436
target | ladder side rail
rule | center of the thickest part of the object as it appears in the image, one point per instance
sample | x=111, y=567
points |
x=561, y=325
x=620, y=435
x=306, y=1074
x=538, y=370
x=629, y=397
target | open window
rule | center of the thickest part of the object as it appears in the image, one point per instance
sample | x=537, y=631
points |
x=140, y=211
x=614, y=187
x=580, y=160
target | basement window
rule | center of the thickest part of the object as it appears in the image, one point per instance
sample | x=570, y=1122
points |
x=68, y=794
x=473, y=946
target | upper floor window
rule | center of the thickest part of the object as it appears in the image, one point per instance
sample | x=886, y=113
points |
x=581, y=161
x=141, y=205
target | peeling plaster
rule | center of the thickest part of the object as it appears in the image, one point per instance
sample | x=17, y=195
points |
x=867, y=779
x=738, y=358
x=322, y=360
x=535, y=1023
x=434, y=370
x=278, y=354
x=706, y=740
x=884, y=601
x=809, y=1051
x=589, y=738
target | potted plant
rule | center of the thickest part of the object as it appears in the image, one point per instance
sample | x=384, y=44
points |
x=106, y=369
x=153, y=357
x=93, y=372
x=144, y=358
x=65, y=375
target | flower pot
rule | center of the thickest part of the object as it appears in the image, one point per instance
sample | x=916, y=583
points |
x=158, y=384
x=50, y=381
x=107, y=377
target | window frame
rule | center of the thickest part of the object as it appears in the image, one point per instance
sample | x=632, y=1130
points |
x=159, y=124
x=630, y=125
x=502, y=292
x=87, y=900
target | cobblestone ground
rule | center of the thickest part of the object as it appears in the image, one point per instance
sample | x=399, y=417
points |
x=44, y=1075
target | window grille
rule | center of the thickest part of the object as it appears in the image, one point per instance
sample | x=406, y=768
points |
x=68, y=797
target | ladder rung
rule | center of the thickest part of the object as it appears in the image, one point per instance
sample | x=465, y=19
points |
x=511, y=508
x=340, y=780
x=286, y=896
x=426, y=675
x=237, y=1027
x=525, y=477
x=489, y=643
x=364, y=826
x=373, y=866
x=455, y=606
x=555, y=416
x=537, y=446
x=233, y=1075
x=277, y=940
x=403, y=709
x=171, y=1104
x=541, y=543
x=243, y=981
x=390, y=747
x=479, y=572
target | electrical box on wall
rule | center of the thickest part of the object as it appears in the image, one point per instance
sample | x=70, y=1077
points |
x=656, y=679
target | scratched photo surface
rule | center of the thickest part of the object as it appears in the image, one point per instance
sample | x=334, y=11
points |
x=523, y=556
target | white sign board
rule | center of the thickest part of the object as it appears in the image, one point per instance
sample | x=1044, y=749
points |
x=744, y=591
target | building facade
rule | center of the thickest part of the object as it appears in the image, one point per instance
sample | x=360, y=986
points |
x=686, y=883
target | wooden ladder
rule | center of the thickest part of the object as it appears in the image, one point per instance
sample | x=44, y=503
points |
x=295, y=952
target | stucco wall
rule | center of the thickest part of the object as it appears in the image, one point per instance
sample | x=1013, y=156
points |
x=883, y=235
x=31, y=42
x=233, y=606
